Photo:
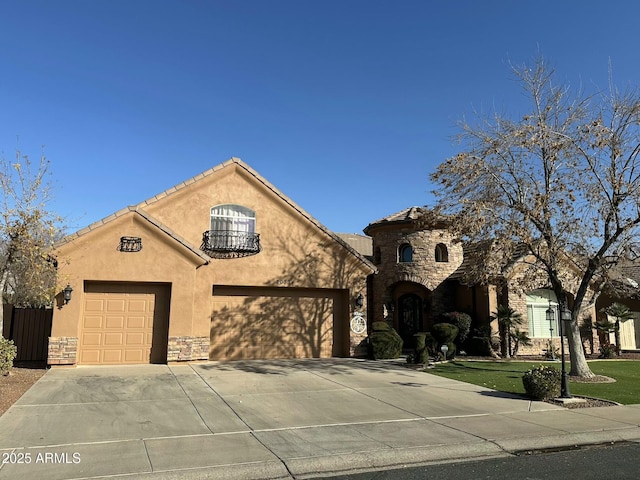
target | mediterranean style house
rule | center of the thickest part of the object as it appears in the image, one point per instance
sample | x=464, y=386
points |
x=221, y=266
x=421, y=275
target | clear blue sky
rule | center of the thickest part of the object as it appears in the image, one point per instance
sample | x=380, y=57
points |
x=346, y=106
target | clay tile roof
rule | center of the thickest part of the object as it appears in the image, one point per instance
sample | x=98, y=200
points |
x=411, y=215
x=406, y=215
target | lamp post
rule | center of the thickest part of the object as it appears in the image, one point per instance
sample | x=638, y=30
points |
x=565, y=316
x=551, y=316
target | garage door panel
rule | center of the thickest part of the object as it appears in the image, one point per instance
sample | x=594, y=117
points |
x=94, y=305
x=89, y=356
x=133, y=339
x=114, y=323
x=280, y=323
x=111, y=338
x=135, y=356
x=116, y=305
x=111, y=356
x=91, y=339
x=138, y=322
x=119, y=322
x=92, y=321
x=138, y=306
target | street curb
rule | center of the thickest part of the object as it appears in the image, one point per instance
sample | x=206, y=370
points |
x=520, y=445
x=362, y=462
x=271, y=470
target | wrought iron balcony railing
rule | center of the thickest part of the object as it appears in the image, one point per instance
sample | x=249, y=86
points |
x=230, y=244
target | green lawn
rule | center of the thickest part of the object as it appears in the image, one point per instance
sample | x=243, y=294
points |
x=506, y=376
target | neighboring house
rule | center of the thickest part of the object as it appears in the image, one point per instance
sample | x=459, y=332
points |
x=421, y=274
x=625, y=289
x=221, y=266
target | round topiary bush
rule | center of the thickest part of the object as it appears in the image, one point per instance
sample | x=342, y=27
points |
x=542, y=382
x=384, y=343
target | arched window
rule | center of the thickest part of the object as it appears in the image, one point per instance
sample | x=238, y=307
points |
x=442, y=254
x=405, y=253
x=233, y=218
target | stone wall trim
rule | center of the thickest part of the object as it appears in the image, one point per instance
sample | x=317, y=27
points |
x=62, y=351
x=186, y=348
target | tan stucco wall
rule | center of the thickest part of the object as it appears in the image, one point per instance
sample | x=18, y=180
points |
x=295, y=252
x=95, y=257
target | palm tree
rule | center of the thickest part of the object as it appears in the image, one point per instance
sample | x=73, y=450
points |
x=621, y=313
x=508, y=319
x=519, y=338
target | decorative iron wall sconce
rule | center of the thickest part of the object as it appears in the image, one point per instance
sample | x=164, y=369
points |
x=67, y=293
x=359, y=302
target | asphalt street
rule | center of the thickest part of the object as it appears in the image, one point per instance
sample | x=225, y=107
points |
x=595, y=462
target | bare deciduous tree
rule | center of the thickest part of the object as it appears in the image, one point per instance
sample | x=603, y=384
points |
x=561, y=184
x=27, y=232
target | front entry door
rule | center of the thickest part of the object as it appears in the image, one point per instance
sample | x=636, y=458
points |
x=409, y=318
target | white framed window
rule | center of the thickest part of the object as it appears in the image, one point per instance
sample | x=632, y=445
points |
x=233, y=218
x=538, y=302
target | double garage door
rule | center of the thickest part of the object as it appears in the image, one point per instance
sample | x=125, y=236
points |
x=127, y=323
x=124, y=323
x=271, y=322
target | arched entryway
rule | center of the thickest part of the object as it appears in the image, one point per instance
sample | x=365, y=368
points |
x=410, y=317
x=411, y=301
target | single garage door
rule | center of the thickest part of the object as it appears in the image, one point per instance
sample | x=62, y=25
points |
x=124, y=323
x=271, y=322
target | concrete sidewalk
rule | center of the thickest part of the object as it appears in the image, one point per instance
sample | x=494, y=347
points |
x=276, y=419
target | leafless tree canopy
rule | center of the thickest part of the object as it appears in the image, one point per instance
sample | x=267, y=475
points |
x=562, y=181
x=27, y=232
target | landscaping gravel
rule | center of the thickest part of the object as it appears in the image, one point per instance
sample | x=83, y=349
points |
x=18, y=381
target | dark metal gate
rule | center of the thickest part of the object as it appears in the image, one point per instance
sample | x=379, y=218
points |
x=30, y=329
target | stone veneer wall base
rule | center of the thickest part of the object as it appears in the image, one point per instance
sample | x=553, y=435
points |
x=184, y=349
x=62, y=351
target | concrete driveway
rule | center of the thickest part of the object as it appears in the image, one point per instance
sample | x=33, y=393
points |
x=257, y=419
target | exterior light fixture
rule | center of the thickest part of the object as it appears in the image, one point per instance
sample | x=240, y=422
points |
x=551, y=317
x=359, y=301
x=67, y=293
x=565, y=315
x=444, y=349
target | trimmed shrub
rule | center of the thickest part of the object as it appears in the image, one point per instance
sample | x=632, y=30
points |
x=608, y=351
x=445, y=334
x=542, y=383
x=380, y=327
x=421, y=354
x=384, y=342
x=431, y=344
x=460, y=320
x=8, y=352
